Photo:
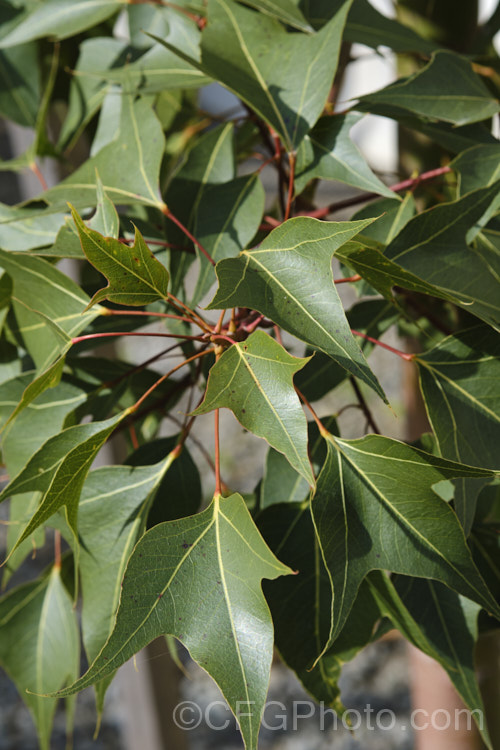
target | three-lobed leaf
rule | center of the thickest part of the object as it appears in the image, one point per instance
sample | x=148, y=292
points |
x=218, y=552
x=289, y=279
x=135, y=276
x=459, y=380
x=254, y=379
x=375, y=509
x=256, y=58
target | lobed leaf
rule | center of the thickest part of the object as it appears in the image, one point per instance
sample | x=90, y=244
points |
x=289, y=278
x=375, y=509
x=218, y=552
x=254, y=379
x=135, y=276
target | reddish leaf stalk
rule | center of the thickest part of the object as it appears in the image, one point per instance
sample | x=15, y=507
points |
x=167, y=375
x=168, y=213
x=403, y=355
x=138, y=368
x=291, y=181
x=41, y=179
x=57, y=549
x=90, y=336
x=322, y=429
x=409, y=184
x=218, y=489
x=144, y=313
x=348, y=279
x=176, y=303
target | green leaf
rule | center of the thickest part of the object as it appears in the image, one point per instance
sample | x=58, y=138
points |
x=393, y=216
x=105, y=220
x=26, y=229
x=479, y=167
x=433, y=246
x=365, y=25
x=300, y=606
x=128, y=166
x=58, y=470
x=221, y=553
x=253, y=56
x=135, y=276
x=51, y=295
x=280, y=483
x=49, y=378
x=87, y=88
x=289, y=278
x=459, y=380
x=113, y=510
x=285, y=11
x=58, y=19
x=39, y=645
x=20, y=84
x=210, y=161
x=42, y=418
x=329, y=153
x=445, y=89
x=322, y=374
x=449, y=626
x=375, y=509
x=179, y=493
x=227, y=219
x=160, y=69
x=254, y=379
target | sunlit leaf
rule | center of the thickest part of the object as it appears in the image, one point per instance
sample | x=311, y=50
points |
x=221, y=553
x=135, y=276
x=289, y=278
x=254, y=379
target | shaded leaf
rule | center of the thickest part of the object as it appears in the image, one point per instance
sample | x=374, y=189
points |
x=227, y=219
x=433, y=246
x=445, y=89
x=221, y=553
x=366, y=25
x=179, y=493
x=160, y=69
x=113, y=510
x=459, y=380
x=329, y=153
x=58, y=470
x=255, y=57
x=210, y=161
x=128, y=166
x=285, y=11
x=393, y=216
x=55, y=18
x=322, y=374
x=254, y=379
x=375, y=509
x=87, y=89
x=478, y=167
x=47, y=379
x=51, y=295
x=449, y=624
x=280, y=483
x=42, y=418
x=289, y=278
x=39, y=645
x=135, y=276
x=20, y=84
